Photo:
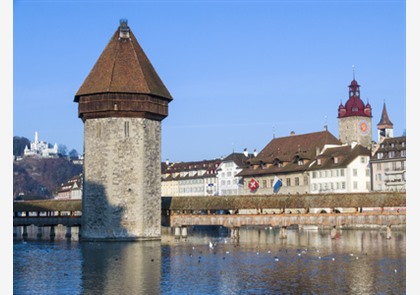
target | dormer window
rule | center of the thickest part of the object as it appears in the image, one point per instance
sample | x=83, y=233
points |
x=335, y=160
x=318, y=161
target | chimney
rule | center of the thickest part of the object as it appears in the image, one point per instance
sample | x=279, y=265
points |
x=124, y=29
x=167, y=162
x=246, y=152
x=292, y=133
x=255, y=152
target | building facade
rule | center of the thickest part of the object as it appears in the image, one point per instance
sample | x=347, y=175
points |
x=229, y=183
x=388, y=163
x=285, y=159
x=71, y=190
x=197, y=178
x=341, y=169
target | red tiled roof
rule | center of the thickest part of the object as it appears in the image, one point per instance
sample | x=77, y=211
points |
x=304, y=145
x=289, y=150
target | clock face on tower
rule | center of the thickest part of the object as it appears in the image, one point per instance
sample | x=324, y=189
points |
x=364, y=127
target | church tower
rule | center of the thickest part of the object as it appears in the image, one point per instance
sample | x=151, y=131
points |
x=385, y=126
x=122, y=103
x=355, y=118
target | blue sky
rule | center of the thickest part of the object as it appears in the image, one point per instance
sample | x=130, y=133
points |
x=240, y=72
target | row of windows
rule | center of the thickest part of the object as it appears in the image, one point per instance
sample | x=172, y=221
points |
x=227, y=174
x=391, y=165
x=336, y=186
x=228, y=182
x=191, y=189
x=191, y=181
x=296, y=182
x=380, y=177
x=328, y=173
x=391, y=154
x=329, y=186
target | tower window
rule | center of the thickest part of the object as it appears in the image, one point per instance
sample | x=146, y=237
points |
x=127, y=129
x=98, y=130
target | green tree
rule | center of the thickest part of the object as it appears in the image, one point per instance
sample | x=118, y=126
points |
x=73, y=153
x=19, y=144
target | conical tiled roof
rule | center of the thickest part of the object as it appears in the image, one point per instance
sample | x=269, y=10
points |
x=385, y=121
x=123, y=67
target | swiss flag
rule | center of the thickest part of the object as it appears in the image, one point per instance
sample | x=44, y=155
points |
x=253, y=184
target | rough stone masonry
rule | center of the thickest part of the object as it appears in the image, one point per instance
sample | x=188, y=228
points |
x=121, y=103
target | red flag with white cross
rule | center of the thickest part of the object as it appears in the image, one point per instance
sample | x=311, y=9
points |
x=253, y=185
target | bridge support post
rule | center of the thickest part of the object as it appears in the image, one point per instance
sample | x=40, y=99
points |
x=333, y=233
x=25, y=231
x=184, y=232
x=15, y=231
x=388, y=232
x=68, y=231
x=283, y=232
x=39, y=233
x=234, y=234
x=177, y=232
x=52, y=231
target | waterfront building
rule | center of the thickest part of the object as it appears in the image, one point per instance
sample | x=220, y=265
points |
x=388, y=163
x=122, y=103
x=41, y=149
x=281, y=166
x=355, y=118
x=341, y=169
x=196, y=178
x=71, y=190
x=228, y=181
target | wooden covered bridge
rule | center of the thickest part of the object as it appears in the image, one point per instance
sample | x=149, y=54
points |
x=376, y=208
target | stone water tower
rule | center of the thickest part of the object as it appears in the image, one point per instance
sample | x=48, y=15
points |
x=122, y=103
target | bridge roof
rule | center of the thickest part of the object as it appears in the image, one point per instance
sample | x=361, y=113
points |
x=47, y=205
x=386, y=199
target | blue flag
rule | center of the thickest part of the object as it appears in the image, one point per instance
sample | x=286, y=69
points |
x=277, y=184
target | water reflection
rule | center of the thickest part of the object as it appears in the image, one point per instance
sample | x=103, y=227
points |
x=306, y=262
x=110, y=267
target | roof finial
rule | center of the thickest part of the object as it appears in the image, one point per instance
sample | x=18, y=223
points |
x=353, y=73
x=326, y=123
x=124, y=29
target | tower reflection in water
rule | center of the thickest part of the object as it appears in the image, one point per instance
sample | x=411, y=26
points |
x=112, y=267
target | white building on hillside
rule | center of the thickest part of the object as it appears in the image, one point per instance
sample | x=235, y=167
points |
x=40, y=149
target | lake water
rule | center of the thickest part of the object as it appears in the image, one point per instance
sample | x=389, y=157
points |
x=307, y=262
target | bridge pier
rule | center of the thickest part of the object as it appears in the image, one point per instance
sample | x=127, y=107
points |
x=68, y=231
x=333, y=233
x=52, y=232
x=15, y=231
x=184, y=232
x=283, y=232
x=25, y=231
x=234, y=234
x=39, y=233
x=388, y=232
x=177, y=232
